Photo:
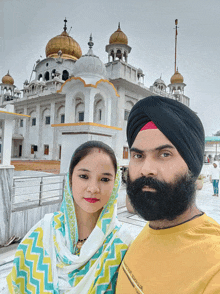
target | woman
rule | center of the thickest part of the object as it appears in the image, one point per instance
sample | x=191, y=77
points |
x=79, y=249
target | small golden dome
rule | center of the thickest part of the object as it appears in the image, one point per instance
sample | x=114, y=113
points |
x=177, y=78
x=118, y=37
x=7, y=79
x=69, y=47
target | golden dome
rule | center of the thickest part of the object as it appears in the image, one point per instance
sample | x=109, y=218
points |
x=7, y=79
x=69, y=47
x=177, y=78
x=118, y=37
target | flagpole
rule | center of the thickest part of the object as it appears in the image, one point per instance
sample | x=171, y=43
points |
x=176, y=23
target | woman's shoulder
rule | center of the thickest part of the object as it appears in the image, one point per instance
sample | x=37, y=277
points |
x=49, y=220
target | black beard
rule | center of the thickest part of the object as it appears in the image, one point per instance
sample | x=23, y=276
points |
x=167, y=202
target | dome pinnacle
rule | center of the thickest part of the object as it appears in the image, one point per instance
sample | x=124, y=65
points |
x=90, y=43
x=65, y=27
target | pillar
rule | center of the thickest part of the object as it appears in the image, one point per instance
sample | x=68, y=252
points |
x=108, y=110
x=38, y=131
x=114, y=54
x=25, y=134
x=52, y=121
x=89, y=107
x=70, y=109
x=120, y=116
x=6, y=184
x=7, y=141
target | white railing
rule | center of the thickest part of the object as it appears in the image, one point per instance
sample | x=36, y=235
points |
x=31, y=192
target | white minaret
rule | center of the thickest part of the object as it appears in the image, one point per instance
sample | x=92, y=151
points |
x=118, y=48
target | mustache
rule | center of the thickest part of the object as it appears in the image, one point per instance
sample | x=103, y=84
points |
x=150, y=182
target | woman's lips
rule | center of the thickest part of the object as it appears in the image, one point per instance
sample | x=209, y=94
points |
x=91, y=200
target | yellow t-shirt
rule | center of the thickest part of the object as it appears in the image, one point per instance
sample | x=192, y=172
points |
x=181, y=260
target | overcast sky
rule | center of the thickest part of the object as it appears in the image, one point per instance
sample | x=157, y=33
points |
x=27, y=25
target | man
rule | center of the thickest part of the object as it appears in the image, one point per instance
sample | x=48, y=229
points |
x=214, y=178
x=178, y=251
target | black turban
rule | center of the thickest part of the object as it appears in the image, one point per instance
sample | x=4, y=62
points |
x=176, y=121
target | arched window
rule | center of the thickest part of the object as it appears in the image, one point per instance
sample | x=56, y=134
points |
x=53, y=73
x=40, y=77
x=46, y=76
x=128, y=107
x=99, y=110
x=112, y=55
x=118, y=54
x=65, y=75
x=80, y=109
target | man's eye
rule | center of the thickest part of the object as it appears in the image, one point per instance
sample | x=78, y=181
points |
x=165, y=154
x=105, y=179
x=83, y=176
x=136, y=156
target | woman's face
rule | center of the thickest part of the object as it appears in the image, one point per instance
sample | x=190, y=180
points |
x=92, y=181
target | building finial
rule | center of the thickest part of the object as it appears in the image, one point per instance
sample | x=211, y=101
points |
x=90, y=43
x=119, y=26
x=65, y=27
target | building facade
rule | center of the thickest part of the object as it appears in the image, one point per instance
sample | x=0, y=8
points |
x=71, y=91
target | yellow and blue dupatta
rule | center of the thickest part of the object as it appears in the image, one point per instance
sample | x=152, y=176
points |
x=47, y=260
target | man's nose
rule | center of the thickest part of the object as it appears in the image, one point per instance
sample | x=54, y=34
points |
x=149, y=168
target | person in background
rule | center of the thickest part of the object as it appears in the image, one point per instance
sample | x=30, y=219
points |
x=214, y=177
x=178, y=250
x=79, y=248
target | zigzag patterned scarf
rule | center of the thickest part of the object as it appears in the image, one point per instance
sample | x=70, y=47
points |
x=47, y=260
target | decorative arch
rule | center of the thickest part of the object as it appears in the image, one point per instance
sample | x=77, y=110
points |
x=60, y=114
x=128, y=106
x=79, y=110
x=46, y=116
x=45, y=112
x=99, y=109
x=60, y=109
x=31, y=112
x=79, y=95
x=89, y=85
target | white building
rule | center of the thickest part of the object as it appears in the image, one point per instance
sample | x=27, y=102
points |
x=79, y=95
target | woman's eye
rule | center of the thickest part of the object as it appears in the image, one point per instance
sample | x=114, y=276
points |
x=105, y=179
x=83, y=176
